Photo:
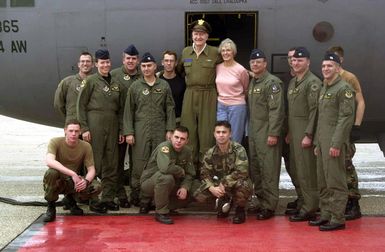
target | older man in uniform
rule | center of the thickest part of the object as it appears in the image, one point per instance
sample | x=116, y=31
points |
x=68, y=89
x=225, y=175
x=335, y=119
x=302, y=100
x=125, y=76
x=65, y=158
x=168, y=174
x=198, y=64
x=99, y=111
x=149, y=118
x=266, y=116
x=353, y=210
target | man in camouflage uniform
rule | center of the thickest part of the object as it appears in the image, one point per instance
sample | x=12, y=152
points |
x=353, y=210
x=266, y=116
x=168, y=174
x=302, y=98
x=149, y=118
x=65, y=158
x=68, y=89
x=99, y=111
x=225, y=175
x=335, y=119
x=125, y=76
x=198, y=64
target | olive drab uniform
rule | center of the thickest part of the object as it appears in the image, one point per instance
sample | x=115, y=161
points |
x=125, y=80
x=335, y=119
x=302, y=114
x=266, y=116
x=166, y=171
x=66, y=96
x=200, y=98
x=99, y=111
x=230, y=169
x=74, y=158
x=148, y=115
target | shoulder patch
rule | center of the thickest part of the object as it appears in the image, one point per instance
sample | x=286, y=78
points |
x=348, y=94
x=275, y=88
x=314, y=87
x=165, y=149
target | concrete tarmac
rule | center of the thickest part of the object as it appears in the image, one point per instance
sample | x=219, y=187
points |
x=22, y=152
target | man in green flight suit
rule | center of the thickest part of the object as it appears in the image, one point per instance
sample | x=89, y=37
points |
x=302, y=98
x=168, y=175
x=99, y=111
x=225, y=175
x=266, y=116
x=149, y=118
x=68, y=89
x=125, y=76
x=335, y=119
x=198, y=64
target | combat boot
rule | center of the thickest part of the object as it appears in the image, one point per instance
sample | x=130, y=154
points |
x=240, y=215
x=353, y=210
x=50, y=215
x=70, y=204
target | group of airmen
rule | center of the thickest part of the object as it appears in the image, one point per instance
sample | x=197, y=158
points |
x=154, y=132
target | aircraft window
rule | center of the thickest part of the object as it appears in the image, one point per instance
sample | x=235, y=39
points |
x=22, y=3
x=3, y=3
x=323, y=31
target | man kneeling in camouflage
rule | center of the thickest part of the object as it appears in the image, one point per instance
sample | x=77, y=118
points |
x=225, y=175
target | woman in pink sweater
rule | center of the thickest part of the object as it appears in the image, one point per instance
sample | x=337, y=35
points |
x=232, y=82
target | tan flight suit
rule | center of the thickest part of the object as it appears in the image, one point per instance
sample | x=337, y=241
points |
x=266, y=116
x=125, y=80
x=66, y=96
x=148, y=115
x=303, y=101
x=335, y=119
x=99, y=111
x=166, y=171
x=200, y=98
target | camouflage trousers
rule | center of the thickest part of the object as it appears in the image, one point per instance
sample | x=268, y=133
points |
x=351, y=174
x=240, y=193
x=56, y=183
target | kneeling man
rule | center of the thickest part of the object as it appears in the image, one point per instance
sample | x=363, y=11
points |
x=225, y=175
x=168, y=173
x=66, y=157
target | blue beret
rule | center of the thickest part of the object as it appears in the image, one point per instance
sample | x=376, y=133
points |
x=147, y=57
x=201, y=25
x=257, y=54
x=332, y=56
x=301, y=52
x=102, y=54
x=131, y=50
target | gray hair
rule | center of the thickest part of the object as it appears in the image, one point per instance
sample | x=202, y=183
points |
x=233, y=46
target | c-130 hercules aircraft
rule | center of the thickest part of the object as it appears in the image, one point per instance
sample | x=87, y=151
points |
x=40, y=41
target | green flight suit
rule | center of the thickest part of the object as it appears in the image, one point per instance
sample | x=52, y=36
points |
x=302, y=114
x=66, y=96
x=200, y=98
x=121, y=76
x=335, y=119
x=166, y=171
x=99, y=111
x=148, y=115
x=230, y=169
x=266, y=117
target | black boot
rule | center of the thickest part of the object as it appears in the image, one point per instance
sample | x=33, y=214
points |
x=70, y=204
x=353, y=210
x=50, y=215
x=240, y=215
